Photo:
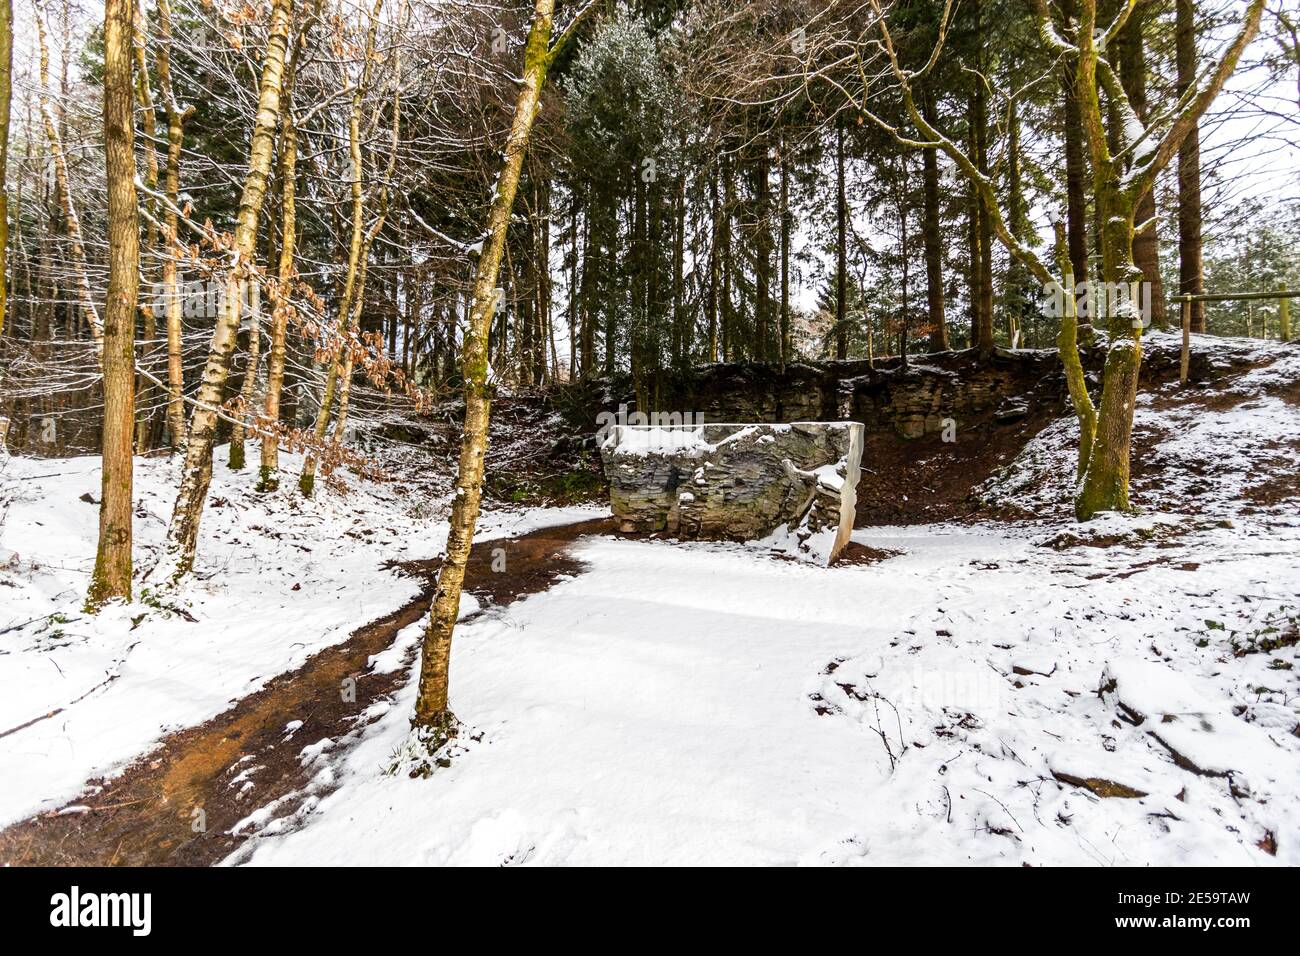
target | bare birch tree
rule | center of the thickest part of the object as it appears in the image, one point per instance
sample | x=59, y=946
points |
x=183, y=532
x=357, y=251
x=63, y=182
x=6, y=95
x=281, y=301
x=434, y=721
x=345, y=373
x=176, y=117
x=112, y=574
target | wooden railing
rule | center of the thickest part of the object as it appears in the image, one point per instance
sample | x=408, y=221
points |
x=1283, y=296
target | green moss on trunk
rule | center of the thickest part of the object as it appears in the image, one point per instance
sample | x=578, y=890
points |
x=268, y=480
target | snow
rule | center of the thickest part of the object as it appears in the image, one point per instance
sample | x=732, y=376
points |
x=698, y=703
x=968, y=700
x=650, y=440
x=278, y=578
x=798, y=544
x=1209, y=457
x=689, y=439
x=829, y=477
x=1188, y=721
x=1152, y=690
x=682, y=439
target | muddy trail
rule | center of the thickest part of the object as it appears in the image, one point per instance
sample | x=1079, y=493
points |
x=175, y=805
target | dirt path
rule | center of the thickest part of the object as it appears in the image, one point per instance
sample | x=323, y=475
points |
x=149, y=815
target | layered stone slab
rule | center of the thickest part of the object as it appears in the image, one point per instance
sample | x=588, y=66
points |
x=792, y=485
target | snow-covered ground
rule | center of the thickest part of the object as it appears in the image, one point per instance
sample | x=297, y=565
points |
x=1212, y=450
x=706, y=704
x=703, y=704
x=277, y=579
x=1117, y=693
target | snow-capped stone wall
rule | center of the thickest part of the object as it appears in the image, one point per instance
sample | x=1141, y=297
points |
x=791, y=485
x=885, y=396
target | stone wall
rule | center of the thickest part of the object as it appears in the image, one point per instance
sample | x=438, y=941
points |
x=916, y=400
x=733, y=392
x=910, y=401
x=793, y=485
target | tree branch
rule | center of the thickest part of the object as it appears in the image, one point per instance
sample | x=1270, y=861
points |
x=983, y=185
x=564, y=39
x=1145, y=175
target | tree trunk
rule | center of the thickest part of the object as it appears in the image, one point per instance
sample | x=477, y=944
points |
x=933, y=241
x=1019, y=294
x=542, y=279
x=249, y=293
x=408, y=322
x=681, y=333
x=345, y=381
x=6, y=94
x=144, y=93
x=112, y=575
x=973, y=259
x=1105, y=484
x=608, y=253
x=63, y=186
x=281, y=305
x=841, y=249
x=786, y=226
x=727, y=310
x=350, y=295
x=590, y=271
x=1067, y=344
x=574, y=298
x=433, y=718
x=1133, y=77
x=1191, y=275
x=1105, y=481
x=171, y=286
x=711, y=292
x=763, y=252
x=904, y=314
x=394, y=285
x=183, y=532
x=640, y=297
x=984, y=340
x=1075, y=168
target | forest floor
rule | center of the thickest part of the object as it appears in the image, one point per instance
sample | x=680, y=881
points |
x=1033, y=691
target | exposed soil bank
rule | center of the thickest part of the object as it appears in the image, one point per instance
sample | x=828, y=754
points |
x=148, y=815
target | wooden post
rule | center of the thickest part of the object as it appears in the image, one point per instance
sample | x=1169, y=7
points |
x=1284, y=315
x=1186, y=359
